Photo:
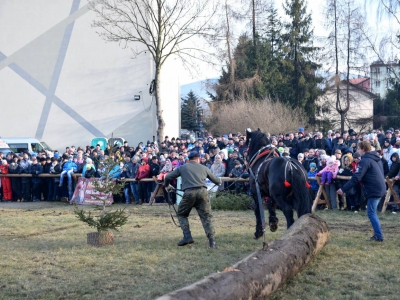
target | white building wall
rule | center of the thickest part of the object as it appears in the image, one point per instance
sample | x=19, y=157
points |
x=361, y=107
x=380, y=75
x=60, y=82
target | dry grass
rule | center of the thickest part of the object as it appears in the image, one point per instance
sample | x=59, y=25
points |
x=43, y=255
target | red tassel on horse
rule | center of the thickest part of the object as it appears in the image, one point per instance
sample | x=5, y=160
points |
x=287, y=184
x=308, y=185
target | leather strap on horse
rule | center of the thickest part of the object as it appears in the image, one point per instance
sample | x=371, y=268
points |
x=265, y=151
x=259, y=198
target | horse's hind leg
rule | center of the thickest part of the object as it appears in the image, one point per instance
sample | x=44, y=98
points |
x=273, y=220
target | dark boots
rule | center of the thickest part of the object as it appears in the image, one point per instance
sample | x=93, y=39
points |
x=213, y=245
x=187, y=238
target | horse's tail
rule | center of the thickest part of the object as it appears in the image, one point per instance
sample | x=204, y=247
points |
x=301, y=196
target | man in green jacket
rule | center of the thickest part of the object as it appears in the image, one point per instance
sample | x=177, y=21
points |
x=195, y=195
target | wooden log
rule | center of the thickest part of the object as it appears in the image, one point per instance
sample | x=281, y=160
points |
x=264, y=271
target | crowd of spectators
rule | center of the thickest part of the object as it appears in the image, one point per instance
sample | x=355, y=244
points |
x=326, y=156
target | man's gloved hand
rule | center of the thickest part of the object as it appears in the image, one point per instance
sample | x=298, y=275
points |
x=170, y=188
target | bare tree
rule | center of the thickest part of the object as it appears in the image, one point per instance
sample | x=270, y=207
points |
x=344, y=48
x=383, y=46
x=163, y=27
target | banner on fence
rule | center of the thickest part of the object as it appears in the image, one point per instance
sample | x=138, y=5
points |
x=85, y=193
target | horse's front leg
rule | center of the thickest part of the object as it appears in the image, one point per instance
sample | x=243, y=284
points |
x=273, y=220
x=259, y=229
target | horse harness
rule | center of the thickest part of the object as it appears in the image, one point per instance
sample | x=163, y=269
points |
x=269, y=154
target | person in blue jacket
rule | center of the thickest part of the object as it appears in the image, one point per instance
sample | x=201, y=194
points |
x=370, y=173
x=69, y=167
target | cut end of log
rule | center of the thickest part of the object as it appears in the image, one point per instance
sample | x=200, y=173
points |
x=99, y=239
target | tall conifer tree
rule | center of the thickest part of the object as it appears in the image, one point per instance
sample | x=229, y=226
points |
x=190, y=112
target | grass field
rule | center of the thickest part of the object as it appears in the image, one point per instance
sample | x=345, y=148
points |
x=43, y=255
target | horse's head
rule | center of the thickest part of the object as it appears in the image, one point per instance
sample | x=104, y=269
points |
x=255, y=141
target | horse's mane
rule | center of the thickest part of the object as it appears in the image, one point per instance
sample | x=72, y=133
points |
x=258, y=140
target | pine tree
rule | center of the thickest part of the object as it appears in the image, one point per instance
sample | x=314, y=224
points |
x=299, y=53
x=190, y=112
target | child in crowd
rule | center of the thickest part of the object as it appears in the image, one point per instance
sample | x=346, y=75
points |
x=69, y=168
x=164, y=171
x=314, y=184
x=330, y=171
x=237, y=172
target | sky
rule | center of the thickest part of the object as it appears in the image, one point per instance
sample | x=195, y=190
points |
x=315, y=7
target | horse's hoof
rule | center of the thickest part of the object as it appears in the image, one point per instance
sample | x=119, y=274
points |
x=258, y=234
x=273, y=227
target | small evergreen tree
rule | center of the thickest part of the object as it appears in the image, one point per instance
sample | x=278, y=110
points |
x=100, y=218
x=190, y=112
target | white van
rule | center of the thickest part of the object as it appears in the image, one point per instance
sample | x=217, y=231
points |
x=4, y=147
x=19, y=145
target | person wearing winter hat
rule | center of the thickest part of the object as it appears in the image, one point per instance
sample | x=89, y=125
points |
x=300, y=158
x=314, y=184
x=330, y=171
x=193, y=176
x=88, y=166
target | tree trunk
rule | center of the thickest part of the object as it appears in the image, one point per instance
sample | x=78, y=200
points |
x=160, y=119
x=263, y=272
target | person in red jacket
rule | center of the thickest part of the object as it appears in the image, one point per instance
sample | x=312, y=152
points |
x=5, y=181
x=143, y=172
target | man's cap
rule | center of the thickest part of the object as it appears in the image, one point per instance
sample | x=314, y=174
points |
x=356, y=155
x=386, y=141
x=388, y=131
x=313, y=165
x=301, y=129
x=154, y=157
x=193, y=154
x=42, y=159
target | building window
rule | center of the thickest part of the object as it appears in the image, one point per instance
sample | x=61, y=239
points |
x=388, y=70
x=377, y=71
x=377, y=83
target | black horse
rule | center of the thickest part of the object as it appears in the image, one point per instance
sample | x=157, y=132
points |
x=282, y=179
